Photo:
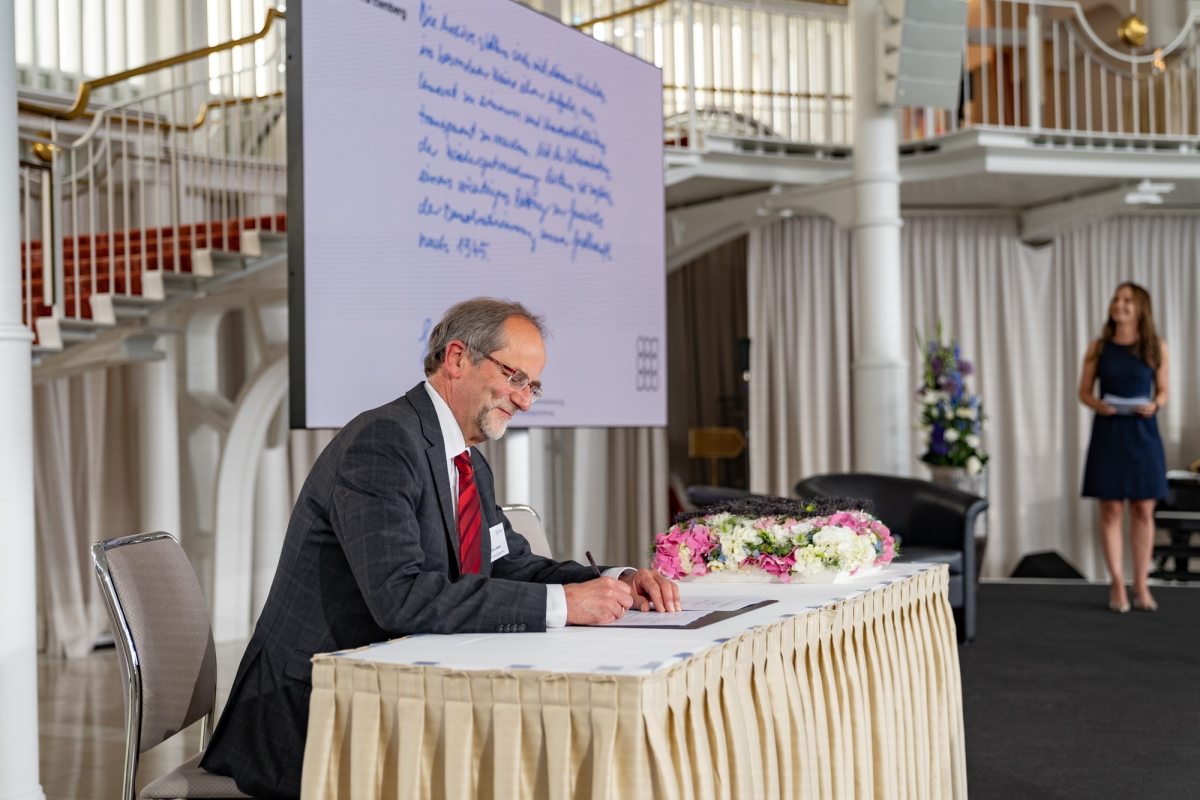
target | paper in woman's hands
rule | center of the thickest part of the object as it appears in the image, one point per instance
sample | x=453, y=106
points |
x=1126, y=405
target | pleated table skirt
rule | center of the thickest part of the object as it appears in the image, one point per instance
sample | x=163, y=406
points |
x=858, y=699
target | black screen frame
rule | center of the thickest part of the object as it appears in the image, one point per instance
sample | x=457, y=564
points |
x=297, y=387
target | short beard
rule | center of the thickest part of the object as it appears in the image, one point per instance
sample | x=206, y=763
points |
x=492, y=427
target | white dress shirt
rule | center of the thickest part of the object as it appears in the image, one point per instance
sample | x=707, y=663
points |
x=452, y=436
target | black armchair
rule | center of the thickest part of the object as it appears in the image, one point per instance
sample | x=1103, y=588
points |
x=934, y=523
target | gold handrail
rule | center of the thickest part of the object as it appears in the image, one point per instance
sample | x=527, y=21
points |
x=86, y=88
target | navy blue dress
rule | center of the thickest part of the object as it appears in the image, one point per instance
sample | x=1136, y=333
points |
x=1125, y=458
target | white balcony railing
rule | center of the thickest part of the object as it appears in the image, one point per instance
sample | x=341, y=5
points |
x=1041, y=67
x=757, y=70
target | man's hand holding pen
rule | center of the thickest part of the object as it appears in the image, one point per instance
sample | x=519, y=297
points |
x=649, y=586
x=607, y=599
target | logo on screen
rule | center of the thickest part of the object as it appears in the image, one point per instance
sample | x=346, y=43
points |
x=647, y=364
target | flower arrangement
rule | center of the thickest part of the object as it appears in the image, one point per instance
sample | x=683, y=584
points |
x=775, y=539
x=952, y=417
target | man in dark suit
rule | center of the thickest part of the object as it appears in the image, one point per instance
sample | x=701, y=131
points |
x=397, y=531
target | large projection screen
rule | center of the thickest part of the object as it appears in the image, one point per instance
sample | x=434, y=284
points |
x=449, y=149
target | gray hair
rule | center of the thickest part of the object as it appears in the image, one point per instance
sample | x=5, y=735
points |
x=479, y=324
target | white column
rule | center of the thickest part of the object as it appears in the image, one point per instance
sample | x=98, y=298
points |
x=18, y=645
x=518, y=475
x=1033, y=67
x=1164, y=18
x=880, y=370
x=158, y=441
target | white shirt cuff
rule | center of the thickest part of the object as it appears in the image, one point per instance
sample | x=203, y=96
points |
x=556, y=606
x=556, y=598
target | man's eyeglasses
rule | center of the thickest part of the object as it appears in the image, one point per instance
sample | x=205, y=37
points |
x=518, y=380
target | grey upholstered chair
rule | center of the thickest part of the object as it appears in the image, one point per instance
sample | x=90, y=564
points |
x=526, y=522
x=164, y=642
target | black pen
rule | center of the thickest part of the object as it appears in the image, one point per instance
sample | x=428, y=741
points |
x=592, y=561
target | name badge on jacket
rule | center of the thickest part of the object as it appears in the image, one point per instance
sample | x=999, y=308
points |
x=499, y=541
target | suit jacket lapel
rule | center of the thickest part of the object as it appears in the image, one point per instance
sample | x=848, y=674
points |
x=436, y=453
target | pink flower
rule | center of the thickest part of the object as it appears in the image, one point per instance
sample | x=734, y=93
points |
x=675, y=535
x=666, y=553
x=666, y=560
x=696, y=537
x=780, y=567
x=889, y=543
x=700, y=540
x=853, y=520
x=889, y=551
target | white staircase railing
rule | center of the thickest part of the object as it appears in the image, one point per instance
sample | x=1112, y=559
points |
x=143, y=197
x=34, y=186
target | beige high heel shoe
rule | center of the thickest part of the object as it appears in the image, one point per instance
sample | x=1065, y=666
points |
x=1119, y=608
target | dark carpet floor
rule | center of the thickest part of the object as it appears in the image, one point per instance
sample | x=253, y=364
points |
x=1065, y=699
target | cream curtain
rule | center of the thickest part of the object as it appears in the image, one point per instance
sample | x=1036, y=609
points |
x=706, y=315
x=798, y=279
x=85, y=490
x=1024, y=316
x=636, y=500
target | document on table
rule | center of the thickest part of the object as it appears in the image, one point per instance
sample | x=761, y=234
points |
x=718, y=603
x=652, y=619
x=695, y=609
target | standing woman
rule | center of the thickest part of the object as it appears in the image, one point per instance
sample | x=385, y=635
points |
x=1125, y=459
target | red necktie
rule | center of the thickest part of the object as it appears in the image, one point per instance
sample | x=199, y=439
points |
x=470, y=517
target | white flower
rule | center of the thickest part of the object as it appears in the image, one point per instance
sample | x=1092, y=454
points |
x=966, y=412
x=972, y=441
x=719, y=520
x=837, y=548
x=834, y=535
x=778, y=534
x=951, y=435
x=801, y=529
x=974, y=465
x=808, y=561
